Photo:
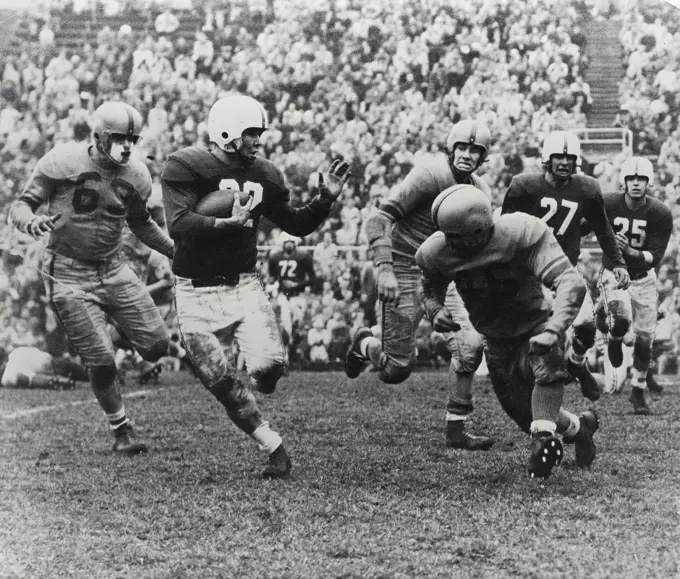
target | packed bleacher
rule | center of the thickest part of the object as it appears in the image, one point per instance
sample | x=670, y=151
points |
x=377, y=83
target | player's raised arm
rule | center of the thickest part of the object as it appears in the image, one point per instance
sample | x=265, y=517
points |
x=301, y=221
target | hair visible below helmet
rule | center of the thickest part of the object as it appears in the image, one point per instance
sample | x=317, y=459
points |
x=561, y=143
x=471, y=132
x=637, y=166
x=462, y=209
x=233, y=114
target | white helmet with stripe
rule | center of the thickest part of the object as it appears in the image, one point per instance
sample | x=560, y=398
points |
x=231, y=115
x=637, y=167
x=561, y=143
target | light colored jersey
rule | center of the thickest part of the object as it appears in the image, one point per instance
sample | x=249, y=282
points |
x=28, y=361
x=410, y=202
x=502, y=285
x=94, y=201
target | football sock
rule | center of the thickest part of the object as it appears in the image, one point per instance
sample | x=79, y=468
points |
x=266, y=438
x=117, y=419
x=568, y=424
x=453, y=417
x=543, y=426
x=546, y=401
x=460, y=388
x=578, y=359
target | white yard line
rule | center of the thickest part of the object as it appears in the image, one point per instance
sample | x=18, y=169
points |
x=41, y=409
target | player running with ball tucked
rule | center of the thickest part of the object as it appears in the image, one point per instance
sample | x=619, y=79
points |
x=500, y=270
x=394, y=233
x=91, y=190
x=561, y=199
x=643, y=226
x=219, y=295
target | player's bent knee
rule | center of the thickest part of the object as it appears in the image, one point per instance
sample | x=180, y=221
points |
x=393, y=374
x=469, y=356
x=157, y=351
x=266, y=380
x=238, y=401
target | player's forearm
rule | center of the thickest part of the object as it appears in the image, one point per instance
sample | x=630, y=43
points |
x=179, y=211
x=20, y=215
x=301, y=221
x=569, y=295
x=379, y=234
x=433, y=296
x=148, y=232
x=607, y=240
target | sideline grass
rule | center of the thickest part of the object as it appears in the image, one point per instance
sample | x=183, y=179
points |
x=373, y=494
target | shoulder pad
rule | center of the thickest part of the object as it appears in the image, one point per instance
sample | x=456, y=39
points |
x=589, y=184
x=191, y=163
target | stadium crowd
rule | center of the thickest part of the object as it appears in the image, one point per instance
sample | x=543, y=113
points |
x=376, y=83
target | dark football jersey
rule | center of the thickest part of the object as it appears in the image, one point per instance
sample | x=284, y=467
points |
x=562, y=210
x=200, y=249
x=94, y=201
x=296, y=267
x=647, y=229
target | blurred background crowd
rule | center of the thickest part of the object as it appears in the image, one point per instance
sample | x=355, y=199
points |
x=376, y=82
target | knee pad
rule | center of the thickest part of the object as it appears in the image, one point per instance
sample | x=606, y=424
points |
x=266, y=380
x=470, y=352
x=393, y=374
x=158, y=350
x=620, y=327
x=584, y=338
x=239, y=403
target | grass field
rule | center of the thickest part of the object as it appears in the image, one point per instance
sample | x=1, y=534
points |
x=374, y=492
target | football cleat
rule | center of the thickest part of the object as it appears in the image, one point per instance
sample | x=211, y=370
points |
x=615, y=352
x=584, y=446
x=637, y=398
x=545, y=453
x=458, y=437
x=151, y=374
x=653, y=385
x=279, y=464
x=126, y=442
x=590, y=387
x=354, y=361
x=59, y=383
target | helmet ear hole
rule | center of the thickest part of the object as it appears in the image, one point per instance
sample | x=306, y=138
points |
x=225, y=135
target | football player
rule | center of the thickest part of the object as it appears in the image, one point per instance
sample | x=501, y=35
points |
x=293, y=270
x=562, y=199
x=91, y=190
x=394, y=234
x=29, y=367
x=218, y=293
x=500, y=270
x=643, y=227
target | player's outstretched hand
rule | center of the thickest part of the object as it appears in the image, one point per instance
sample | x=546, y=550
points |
x=542, y=343
x=42, y=224
x=622, y=278
x=443, y=322
x=330, y=185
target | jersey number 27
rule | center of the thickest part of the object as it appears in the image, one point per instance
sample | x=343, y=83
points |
x=553, y=207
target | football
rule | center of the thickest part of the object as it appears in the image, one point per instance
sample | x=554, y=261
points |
x=217, y=203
